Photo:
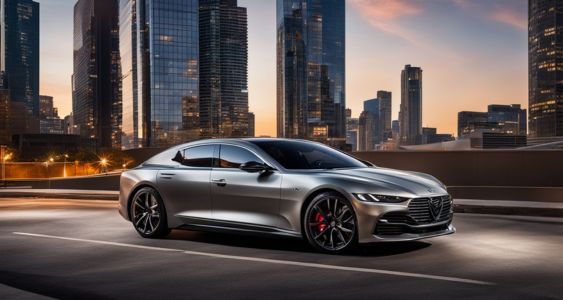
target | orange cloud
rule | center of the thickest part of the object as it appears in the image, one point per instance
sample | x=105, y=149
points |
x=386, y=9
x=382, y=14
x=510, y=17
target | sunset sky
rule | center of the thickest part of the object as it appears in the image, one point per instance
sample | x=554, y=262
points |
x=472, y=52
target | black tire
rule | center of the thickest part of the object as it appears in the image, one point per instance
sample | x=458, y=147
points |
x=328, y=229
x=148, y=214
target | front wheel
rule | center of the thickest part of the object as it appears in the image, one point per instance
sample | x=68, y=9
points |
x=148, y=214
x=330, y=223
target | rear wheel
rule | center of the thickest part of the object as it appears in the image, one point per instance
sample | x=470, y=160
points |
x=330, y=223
x=148, y=214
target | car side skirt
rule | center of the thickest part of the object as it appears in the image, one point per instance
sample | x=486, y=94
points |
x=203, y=224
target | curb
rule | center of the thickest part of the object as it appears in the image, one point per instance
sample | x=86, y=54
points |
x=508, y=210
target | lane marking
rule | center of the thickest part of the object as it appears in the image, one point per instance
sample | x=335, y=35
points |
x=269, y=261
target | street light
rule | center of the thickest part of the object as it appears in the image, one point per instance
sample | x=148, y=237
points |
x=64, y=165
x=104, y=163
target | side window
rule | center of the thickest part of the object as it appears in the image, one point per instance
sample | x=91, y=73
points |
x=199, y=156
x=233, y=157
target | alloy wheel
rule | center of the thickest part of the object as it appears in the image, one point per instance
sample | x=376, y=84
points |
x=331, y=223
x=146, y=212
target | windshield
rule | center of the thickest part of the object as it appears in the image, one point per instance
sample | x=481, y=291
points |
x=307, y=155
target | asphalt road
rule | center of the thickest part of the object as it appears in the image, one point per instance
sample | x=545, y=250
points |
x=84, y=249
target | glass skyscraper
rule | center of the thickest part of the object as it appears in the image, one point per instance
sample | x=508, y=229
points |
x=96, y=90
x=223, y=71
x=19, y=57
x=311, y=70
x=159, y=45
x=545, y=67
x=410, y=115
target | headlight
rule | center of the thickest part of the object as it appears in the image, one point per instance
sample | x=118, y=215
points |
x=380, y=198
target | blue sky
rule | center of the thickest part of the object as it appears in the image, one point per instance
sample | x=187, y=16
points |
x=473, y=53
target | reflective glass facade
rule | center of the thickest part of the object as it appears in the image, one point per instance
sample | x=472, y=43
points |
x=223, y=69
x=410, y=115
x=311, y=70
x=96, y=89
x=159, y=45
x=19, y=54
x=545, y=59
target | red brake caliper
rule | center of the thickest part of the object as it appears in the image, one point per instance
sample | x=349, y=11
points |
x=319, y=219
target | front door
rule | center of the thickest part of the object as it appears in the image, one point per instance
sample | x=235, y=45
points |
x=243, y=197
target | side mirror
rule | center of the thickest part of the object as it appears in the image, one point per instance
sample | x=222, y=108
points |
x=367, y=163
x=255, y=167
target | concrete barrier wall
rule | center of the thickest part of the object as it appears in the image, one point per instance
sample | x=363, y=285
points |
x=478, y=168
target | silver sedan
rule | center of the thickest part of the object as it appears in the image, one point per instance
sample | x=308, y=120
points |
x=282, y=187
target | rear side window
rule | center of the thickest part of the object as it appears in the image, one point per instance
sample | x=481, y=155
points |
x=199, y=156
x=233, y=157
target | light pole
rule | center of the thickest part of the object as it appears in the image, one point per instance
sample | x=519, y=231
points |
x=51, y=159
x=2, y=150
x=64, y=165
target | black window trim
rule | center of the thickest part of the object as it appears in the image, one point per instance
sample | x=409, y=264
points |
x=214, y=156
x=218, y=157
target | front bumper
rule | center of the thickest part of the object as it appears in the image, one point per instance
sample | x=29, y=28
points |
x=376, y=224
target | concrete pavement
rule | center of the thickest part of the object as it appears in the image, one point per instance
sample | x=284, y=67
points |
x=69, y=249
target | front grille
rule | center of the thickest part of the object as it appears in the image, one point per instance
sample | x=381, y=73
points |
x=397, y=223
x=420, y=209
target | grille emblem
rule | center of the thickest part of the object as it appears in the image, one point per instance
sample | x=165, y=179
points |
x=435, y=204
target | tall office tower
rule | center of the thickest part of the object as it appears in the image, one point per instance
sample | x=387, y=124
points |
x=96, y=91
x=366, y=124
x=311, y=70
x=251, y=124
x=545, y=67
x=385, y=106
x=411, y=106
x=159, y=49
x=351, y=130
x=223, y=69
x=373, y=107
x=19, y=60
x=395, y=129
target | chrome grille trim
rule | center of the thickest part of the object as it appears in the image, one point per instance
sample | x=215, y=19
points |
x=419, y=209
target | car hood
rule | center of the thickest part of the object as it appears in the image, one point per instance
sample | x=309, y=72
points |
x=411, y=182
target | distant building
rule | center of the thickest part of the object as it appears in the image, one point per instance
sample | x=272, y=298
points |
x=373, y=107
x=33, y=146
x=159, y=49
x=366, y=125
x=431, y=136
x=19, y=62
x=497, y=140
x=410, y=115
x=511, y=118
x=69, y=126
x=352, y=125
x=507, y=119
x=46, y=107
x=545, y=69
x=251, y=124
x=385, y=107
x=311, y=70
x=223, y=69
x=96, y=89
x=395, y=129
x=471, y=121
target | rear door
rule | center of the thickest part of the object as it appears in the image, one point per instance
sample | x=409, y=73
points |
x=187, y=187
x=243, y=197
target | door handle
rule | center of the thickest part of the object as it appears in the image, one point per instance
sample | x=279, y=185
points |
x=219, y=182
x=166, y=175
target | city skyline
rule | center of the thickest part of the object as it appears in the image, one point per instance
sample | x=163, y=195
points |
x=480, y=35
